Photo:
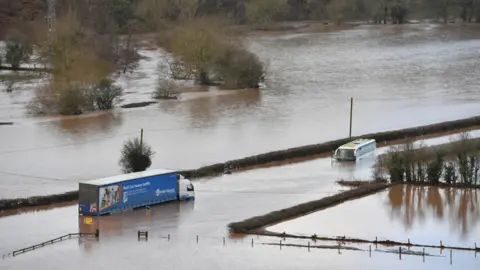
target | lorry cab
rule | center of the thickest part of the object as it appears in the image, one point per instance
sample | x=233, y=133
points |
x=186, y=191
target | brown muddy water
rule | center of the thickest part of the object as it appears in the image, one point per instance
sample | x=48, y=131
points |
x=219, y=201
x=425, y=215
x=399, y=76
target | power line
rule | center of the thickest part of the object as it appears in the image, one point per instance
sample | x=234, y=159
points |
x=136, y=132
x=37, y=177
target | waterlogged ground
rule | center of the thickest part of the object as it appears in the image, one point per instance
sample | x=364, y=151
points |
x=211, y=254
x=219, y=201
x=425, y=215
x=399, y=77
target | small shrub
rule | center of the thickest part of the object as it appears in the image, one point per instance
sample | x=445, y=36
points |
x=166, y=89
x=135, y=157
x=239, y=68
x=74, y=98
x=18, y=50
x=105, y=94
x=70, y=101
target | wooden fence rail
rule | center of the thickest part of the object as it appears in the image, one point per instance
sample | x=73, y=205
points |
x=52, y=241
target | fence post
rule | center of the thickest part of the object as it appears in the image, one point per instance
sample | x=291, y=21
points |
x=223, y=241
x=400, y=252
x=370, y=251
x=168, y=237
x=197, y=239
x=308, y=246
x=423, y=254
x=252, y=242
x=451, y=254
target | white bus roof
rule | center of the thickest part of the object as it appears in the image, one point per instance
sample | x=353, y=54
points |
x=356, y=143
x=126, y=177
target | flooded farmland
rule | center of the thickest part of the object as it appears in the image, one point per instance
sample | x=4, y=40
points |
x=425, y=215
x=399, y=77
x=219, y=201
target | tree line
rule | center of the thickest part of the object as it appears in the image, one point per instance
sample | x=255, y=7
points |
x=94, y=41
x=152, y=14
x=455, y=163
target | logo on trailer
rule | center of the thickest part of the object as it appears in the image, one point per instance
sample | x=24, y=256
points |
x=125, y=197
x=157, y=192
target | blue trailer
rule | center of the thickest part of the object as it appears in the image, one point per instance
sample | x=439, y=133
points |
x=128, y=191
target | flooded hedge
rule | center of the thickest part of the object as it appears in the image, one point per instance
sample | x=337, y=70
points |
x=260, y=222
x=7, y=204
x=327, y=147
x=275, y=156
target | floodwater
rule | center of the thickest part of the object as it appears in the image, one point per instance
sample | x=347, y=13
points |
x=219, y=201
x=425, y=215
x=398, y=76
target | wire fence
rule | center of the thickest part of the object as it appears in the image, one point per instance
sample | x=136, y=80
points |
x=257, y=241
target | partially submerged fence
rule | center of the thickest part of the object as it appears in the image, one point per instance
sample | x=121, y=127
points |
x=50, y=242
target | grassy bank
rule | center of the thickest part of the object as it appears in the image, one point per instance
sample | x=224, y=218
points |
x=259, y=222
x=297, y=153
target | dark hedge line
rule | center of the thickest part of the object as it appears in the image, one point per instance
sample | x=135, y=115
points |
x=259, y=222
x=270, y=157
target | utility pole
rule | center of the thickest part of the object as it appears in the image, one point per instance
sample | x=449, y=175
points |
x=141, y=141
x=51, y=18
x=351, y=115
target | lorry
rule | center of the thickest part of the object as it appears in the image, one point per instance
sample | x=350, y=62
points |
x=129, y=191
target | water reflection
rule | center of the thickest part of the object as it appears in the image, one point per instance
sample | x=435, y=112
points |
x=96, y=123
x=417, y=203
x=167, y=214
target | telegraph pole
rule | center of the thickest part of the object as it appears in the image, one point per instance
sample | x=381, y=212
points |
x=351, y=115
x=51, y=18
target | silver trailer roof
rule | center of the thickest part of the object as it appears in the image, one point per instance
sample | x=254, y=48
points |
x=126, y=177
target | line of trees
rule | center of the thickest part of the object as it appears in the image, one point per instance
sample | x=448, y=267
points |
x=107, y=15
x=152, y=14
x=457, y=163
x=94, y=40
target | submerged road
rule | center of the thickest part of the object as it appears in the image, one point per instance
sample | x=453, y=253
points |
x=219, y=201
